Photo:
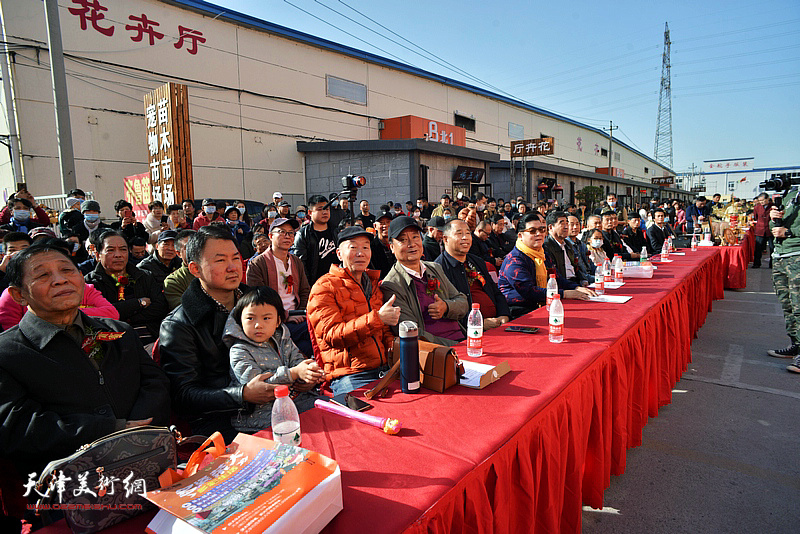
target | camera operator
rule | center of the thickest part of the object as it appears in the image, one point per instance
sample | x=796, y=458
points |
x=785, y=226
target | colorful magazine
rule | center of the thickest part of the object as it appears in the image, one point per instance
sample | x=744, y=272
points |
x=250, y=488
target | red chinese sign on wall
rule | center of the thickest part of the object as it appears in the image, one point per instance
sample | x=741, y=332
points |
x=92, y=16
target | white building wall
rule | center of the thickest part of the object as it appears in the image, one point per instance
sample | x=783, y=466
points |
x=243, y=143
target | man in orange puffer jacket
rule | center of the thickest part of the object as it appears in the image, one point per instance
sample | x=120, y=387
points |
x=349, y=318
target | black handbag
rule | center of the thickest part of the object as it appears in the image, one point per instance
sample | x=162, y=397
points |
x=103, y=482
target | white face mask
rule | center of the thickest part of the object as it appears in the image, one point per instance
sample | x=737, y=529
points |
x=22, y=215
x=272, y=214
x=209, y=209
x=242, y=210
x=481, y=207
x=597, y=243
x=613, y=204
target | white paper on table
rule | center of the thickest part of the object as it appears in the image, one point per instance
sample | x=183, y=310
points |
x=616, y=299
x=663, y=261
x=610, y=285
x=473, y=372
x=677, y=254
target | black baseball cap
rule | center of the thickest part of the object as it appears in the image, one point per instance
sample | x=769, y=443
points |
x=384, y=215
x=351, y=232
x=401, y=223
x=436, y=222
x=166, y=235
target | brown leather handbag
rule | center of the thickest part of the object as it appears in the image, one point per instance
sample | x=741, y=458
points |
x=439, y=366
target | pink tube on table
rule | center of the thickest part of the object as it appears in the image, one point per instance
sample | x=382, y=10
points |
x=390, y=426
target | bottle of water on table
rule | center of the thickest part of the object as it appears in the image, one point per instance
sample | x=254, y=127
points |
x=665, y=251
x=475, y=332
x=556, y=320
x=552, y=289
x=285, y=420
x=599, y=281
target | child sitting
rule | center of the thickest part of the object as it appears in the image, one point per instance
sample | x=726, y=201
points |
x=261, y=343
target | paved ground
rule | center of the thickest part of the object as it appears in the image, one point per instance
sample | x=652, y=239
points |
x=725, y=455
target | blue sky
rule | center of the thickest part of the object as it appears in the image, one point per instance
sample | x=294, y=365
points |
x=735, y=64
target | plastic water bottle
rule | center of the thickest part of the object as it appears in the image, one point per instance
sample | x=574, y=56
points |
x=599, y=282
x=618, y=266
x=694, y=242
x=556, y=320
x=475, y=332
x=408, y=351
x=671, y=247
x=285, y=421
x=552, y=289
x=643, y=256
x=607, y=271
x=665, y=251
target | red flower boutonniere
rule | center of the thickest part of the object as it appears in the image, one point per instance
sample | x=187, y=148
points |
x=91, y=343
x=473, y=274
x=288, y=282
x=122, y=283
x=433, y=286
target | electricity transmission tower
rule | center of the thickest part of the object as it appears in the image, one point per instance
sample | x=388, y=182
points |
x=663, y=148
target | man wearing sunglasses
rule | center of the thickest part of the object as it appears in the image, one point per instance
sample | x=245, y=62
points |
x=525, y=270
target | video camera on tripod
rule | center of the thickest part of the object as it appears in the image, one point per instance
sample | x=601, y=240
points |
x=350, y=186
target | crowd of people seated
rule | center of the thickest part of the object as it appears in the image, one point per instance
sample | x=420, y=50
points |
x=204, y=314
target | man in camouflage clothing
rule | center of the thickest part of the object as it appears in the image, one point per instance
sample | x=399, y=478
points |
x=785, y=228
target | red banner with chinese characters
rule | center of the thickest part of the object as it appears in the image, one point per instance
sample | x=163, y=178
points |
x=138, y=192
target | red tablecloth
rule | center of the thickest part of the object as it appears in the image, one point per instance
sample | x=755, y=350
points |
x=735, y=260
x=525, y=453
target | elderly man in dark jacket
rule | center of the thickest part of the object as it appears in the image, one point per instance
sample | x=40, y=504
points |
x=138, y=298
x=566, y=262
x=67, y=379
x=164, y=260
x=192, y=352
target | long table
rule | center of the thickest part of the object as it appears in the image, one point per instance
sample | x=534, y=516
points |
x=735, y=260
x=525, y=453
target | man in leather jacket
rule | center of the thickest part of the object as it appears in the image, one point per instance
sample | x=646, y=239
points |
x=192, y=351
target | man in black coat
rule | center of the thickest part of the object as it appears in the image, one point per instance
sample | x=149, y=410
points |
x=633, y=235
x=127, y=224
x=658, y=231
x=432, y=242
x=612, y=242
x=315, y=242
x=164, y=260
x=499, y=241
x=561, y=252
x=469, y=275
x=192, y=351
x=382, y=258
x=138, y=298
x=62, y=383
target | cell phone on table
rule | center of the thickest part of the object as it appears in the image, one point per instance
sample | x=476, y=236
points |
x=349, y=401
x=523, y=329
